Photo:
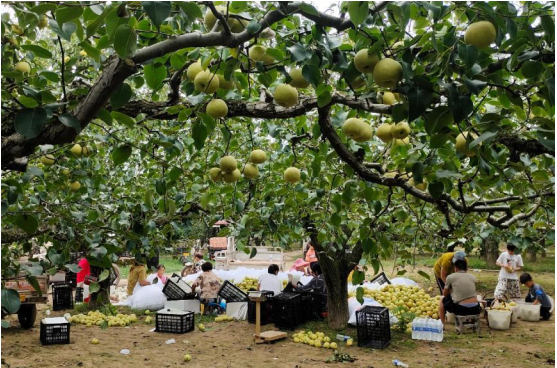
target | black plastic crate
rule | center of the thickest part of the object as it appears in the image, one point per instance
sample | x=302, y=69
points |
x=374, y=329
x=62, y=297
x=288, y=310
x=177, y=289
x=71, y=279
x=317, y=306
x=266, y=309
x=231, y=293
x=79, y=295
x=174, y=321
x=55, y=333
x=381, y=279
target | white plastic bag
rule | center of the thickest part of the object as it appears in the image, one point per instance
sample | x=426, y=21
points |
x=147, y=297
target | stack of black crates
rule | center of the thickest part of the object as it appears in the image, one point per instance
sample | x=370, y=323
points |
x=266, y=309
x=62, y=297
x=374, y=329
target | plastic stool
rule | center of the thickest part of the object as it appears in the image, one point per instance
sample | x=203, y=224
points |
x=467, y=322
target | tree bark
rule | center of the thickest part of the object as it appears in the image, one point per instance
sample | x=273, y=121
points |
x=532, y=256
x=543, y=253
x=490, y=252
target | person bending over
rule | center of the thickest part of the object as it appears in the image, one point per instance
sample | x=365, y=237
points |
x=445, y=266
x=536, y=295
x=138, y=275
x=269, y=281
x=459, y=293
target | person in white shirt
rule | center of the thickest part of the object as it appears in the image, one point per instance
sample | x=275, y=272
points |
x=508, y=283
x=269, y=281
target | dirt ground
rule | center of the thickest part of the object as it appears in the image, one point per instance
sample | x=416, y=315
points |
x=526, y=344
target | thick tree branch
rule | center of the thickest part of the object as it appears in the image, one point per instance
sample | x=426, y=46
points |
x=516, y=146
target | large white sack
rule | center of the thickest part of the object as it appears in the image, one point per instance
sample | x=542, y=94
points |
x=354, y=305
x=403, y=281
x=147, y=297
x=152, y=277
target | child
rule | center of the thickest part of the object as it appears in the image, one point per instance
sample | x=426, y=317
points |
x=537, y=295
x=160, y=274
x=198, y=259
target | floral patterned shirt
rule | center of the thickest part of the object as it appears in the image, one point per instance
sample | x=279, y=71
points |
x=209, y=283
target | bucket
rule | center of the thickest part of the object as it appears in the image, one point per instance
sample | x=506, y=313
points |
x=516, y=311
x=450, y=317
x=499, y=319
x=530, y=312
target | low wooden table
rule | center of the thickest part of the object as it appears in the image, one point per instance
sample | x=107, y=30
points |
x=267, y=336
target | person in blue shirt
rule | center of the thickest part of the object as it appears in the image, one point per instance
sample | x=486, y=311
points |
x=536, y=295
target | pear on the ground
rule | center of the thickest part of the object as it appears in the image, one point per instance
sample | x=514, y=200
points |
x=388, y=98
x=285, y=95
x=193, y=70
x=48, y=160
x=258, y=156
x=206, y=82
x=251, y=171
x=400, y=130
x=387, y=73
x=228, y=164
x=384, y=132
x=215, y=174
x=480, y=34
x=292, y=175
x=298, y=79
x=462, y=144
x=217, y=108
x=231, y=177
x=365, y=62
x=23, y=67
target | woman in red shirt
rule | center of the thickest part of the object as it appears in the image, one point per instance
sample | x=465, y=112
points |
x=81, y=275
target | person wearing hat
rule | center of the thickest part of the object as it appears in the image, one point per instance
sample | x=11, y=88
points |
x=299, y=265
x=445, y=266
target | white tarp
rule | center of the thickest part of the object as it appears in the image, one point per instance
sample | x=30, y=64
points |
x=237, y=275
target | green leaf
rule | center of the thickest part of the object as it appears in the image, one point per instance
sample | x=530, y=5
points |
x=68, y=13
x=238, y=6
x=436, y=189
x=475, y=86
x=437, y=119
x=29, y=122
x=125, y=41
x=44, y=8
x=27, y=223
x=360, y=295
x=104, y=275
x=308, y=8
x=324, y=98
x=157, y=11
x=4, y=208
x=531, y=69
x=418, y=101
x=548, y=25
x=239, y=205
x=484, y=137
x=154, y=75
x=253, y=252
x=73, y=267
x=91, y=51
x=423, y=274
x=312, y=74
x=70, y=121
x=65, y=31
x=547, y=138
x=32, y=280
x=38, y=51
x=95, y=287
x=51, y=76
x=121, y=96
x=121, y=154
x=104, y=325
x=468, y=54
x=358, y=277
x=177, y=61
x=400, y=112
x=55, y=257
x=105, y=116
x=199, y=134
x=336, y=219
x=417, y=172
x=160, y=186
x=92, y=27
x=123, y=119
x=299, y=52
x=550, y=83
x=358, y=11
x=192, y=10
x=10, y=300
x=253, y=27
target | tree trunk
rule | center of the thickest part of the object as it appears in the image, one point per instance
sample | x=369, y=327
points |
x=102, y=297
x=490, y=252
x=544, y=253
x=336, y=273
x=533, y=257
